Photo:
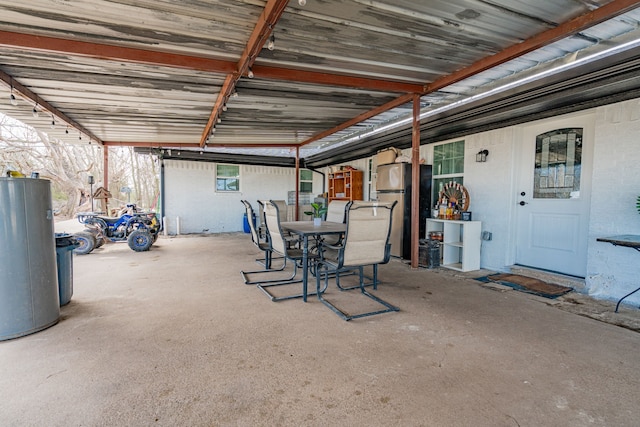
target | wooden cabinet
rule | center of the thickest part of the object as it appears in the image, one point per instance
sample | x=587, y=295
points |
x=460, y=243
x=345, y=185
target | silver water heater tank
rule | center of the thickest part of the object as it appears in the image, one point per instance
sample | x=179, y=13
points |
x=29, y=298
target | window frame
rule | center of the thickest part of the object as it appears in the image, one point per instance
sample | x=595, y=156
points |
x=219, y=176
x=438, y=180
x=305, y=181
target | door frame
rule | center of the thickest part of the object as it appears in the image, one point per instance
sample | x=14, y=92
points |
x=587, y=121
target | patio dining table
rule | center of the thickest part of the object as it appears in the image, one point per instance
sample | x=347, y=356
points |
x=306, y=229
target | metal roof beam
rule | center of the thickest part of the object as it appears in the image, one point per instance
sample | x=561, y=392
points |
x=192, y=145
x=111, y=52
x=27, y=93
x=150, y=144
x=270, y=15
x=315, y=77
x=566, y=29
x=362, y=117
x=573, y=26
x=167, y=59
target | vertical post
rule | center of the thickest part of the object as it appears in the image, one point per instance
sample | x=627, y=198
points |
x=91, y=181
x=297, y=183
x=415, y=181
x=105, y=175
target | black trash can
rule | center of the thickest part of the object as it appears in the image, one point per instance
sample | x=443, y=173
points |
x=65, y=244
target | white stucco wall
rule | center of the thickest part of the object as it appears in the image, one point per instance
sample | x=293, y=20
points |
x=612, y=271
x=191, y=196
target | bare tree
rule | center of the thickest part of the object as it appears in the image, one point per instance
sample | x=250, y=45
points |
x=69, y=166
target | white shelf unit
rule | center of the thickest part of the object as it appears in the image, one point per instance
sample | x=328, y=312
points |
x=460, y=243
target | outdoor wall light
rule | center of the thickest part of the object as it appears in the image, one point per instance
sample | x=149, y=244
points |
x=302, y=2
x=250, y=73
x=271, y=44
x=35, y=112
x=481, y=157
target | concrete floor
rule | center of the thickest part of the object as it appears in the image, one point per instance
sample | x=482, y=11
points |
x=172, y=337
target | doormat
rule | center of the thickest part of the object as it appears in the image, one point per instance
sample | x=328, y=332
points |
x=527, y=284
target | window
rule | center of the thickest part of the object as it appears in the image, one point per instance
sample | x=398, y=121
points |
x=448, y=165
x=558, y=164
x=227, y=178
x=306, y=181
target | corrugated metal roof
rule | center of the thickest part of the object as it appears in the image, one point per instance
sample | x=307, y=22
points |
x=153, y=72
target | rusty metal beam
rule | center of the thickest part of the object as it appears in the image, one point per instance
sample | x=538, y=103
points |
x=573, y=26
x=271, y=14
x=121, y=53
x=250, y=145
x=360, y=118
x=150, y=144
x=27, y=93
x=221, y=101
x=415, y=182
x=297, y=207
x=287, y=74
x=268, y=18
x=566, y=29
x=192, y=145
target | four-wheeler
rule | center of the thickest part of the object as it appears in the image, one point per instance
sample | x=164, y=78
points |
x=140, y=230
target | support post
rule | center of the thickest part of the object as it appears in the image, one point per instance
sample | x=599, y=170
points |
x=297, y=208
x=105, y=175
x=415, y=182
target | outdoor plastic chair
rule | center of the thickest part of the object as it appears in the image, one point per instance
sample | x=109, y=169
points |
x=366, y=242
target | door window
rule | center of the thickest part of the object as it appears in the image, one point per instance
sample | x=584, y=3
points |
x=558, y=164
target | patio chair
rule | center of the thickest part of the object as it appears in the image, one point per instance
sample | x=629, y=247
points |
x=263, y=245
x=366, y=242
x=280, y=245
x=282, y=211
x=336, y=212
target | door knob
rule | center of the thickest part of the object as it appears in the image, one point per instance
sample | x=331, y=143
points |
x=522, y=203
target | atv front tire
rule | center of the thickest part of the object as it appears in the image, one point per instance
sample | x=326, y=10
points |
x=140, y=240
x=86, y=242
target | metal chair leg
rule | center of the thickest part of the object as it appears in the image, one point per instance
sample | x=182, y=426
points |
x=268, y=284
x=245, y=274
x=346, y=316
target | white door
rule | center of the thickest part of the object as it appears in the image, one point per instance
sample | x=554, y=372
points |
x=553, y=189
